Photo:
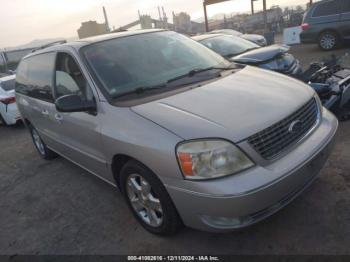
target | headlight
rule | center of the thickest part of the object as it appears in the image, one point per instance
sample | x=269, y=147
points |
x=207, y=159
x=272, y=65
x=262, y=42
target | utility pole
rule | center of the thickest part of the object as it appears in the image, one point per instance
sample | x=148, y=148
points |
x=206, y=17
x=265, y=16
x=252, y=5
x=209, y=2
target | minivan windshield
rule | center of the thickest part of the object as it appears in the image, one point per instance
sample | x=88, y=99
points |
x=229, y=46
x=129, y=63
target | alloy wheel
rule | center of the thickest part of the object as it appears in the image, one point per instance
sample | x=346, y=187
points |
x=38, y=143
x=328, y=41
x=143, y=200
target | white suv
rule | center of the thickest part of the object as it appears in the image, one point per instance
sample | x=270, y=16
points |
x=9, y=114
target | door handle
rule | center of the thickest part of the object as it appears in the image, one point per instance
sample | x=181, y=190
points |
x=45, y=112
x=58, y=117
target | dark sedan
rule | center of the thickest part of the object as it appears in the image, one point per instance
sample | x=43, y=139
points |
x=236, y=49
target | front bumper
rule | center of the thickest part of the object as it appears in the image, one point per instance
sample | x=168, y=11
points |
x=244, y=199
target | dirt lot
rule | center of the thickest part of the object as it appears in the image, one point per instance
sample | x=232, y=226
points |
x=57, y=208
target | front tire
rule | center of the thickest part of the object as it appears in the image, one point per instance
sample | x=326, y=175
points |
x=40, y=146
x=328, y=40
x=148, y=199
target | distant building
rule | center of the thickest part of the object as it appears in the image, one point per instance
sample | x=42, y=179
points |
x=146, y=22
x=92, y=28
x=197, y=28
x=182, y=22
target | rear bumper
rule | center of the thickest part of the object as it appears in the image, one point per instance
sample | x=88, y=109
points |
x=10, y=114
x=308, y=38
x=252, y=198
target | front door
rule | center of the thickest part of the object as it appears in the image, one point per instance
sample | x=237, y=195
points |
x=79, y=132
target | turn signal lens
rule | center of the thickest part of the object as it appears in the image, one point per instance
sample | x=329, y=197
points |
x=186, y=164
x=305, y=26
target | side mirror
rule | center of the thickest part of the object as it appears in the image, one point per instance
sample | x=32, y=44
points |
x=74, y=103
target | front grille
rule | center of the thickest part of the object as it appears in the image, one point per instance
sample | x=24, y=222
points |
x=273, y=140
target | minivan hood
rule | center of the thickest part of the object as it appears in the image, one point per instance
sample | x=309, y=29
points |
x=234, y=107
x=260, y=55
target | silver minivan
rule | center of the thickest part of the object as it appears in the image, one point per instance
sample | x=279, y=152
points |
x=188, y=137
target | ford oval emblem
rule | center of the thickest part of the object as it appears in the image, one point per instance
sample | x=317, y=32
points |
x=295, y=127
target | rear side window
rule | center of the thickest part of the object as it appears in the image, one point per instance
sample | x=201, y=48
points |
x=327, y=8
x=8, y=85
x=35, y=76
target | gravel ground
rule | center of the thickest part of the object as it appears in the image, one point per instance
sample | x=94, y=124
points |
x=57, y=208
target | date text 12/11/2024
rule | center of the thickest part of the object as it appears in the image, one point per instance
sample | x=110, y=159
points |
x=173, y=258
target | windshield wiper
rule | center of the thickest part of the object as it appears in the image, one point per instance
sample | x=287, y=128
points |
x=193, y=72
x=141, y=90
x=144, y=89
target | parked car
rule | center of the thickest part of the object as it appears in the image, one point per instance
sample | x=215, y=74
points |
x=9, y=114
x=9, y=60
x=327, y=23
x=188, y=137
x=275, y=57
x=257, y=39
x=3, y=65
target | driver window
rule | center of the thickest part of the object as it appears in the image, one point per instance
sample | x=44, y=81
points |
x=70, y=79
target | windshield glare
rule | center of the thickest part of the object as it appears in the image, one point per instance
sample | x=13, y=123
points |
x=228, y=31
x=228, y=45
x=127, y=63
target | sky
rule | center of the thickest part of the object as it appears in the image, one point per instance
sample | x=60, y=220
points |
x=22, y=21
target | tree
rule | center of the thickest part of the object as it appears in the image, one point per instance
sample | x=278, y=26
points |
x=299, y=9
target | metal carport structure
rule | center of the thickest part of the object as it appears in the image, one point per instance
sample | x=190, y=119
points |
x=212, y=2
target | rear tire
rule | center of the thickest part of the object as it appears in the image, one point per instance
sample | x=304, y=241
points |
x=328, y=40
x=40, y=146
x=148, y=199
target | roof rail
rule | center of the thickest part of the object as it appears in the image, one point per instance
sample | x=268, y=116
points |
x=61, y=42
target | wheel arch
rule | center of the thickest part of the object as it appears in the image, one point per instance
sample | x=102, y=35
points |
x=27, y=122
x=118, y=162
x=333, y=30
